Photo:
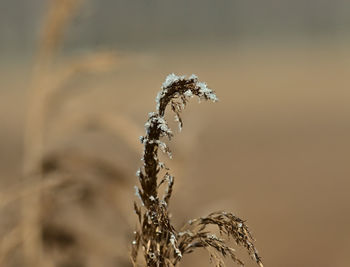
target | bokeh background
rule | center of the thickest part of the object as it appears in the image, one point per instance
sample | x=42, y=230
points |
x=275, y=150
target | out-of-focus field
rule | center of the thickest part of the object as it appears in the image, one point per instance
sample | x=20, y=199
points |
x=274, y=150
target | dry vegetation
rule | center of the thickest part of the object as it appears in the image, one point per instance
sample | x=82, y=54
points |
x=58, y=182
x=57, y=226
x=161, y=243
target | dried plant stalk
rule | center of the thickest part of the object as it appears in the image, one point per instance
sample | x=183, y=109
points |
x=58, y=18
x=161, y=244
x=48, y=82
x=59, y=15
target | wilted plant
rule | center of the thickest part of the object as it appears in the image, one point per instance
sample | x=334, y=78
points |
x=159, y=241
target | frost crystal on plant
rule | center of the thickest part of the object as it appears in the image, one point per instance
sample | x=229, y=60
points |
x=171, y=79
x=173, y=242
x=205, y=91
x=162, y=245
x=137, y=193
x=188, y=93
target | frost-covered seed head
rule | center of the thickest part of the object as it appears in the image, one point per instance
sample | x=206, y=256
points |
x=171, y=79
x=162, y=245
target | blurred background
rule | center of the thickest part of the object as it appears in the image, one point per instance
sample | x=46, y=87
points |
x=78, y=78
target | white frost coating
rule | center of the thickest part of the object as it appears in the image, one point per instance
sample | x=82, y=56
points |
x=169, y=80
x=163, y=126
x=177, y=119
x=152, y=114
x=154, y=118
x=194, y=77
x=172, y=78
x=188, y=93
x=170, y=180
x=138, y=173
x=152, y=198
x=159, y=96
x=147, y=125
x=137, y=193
x=205, y=91
x=173, y=242
x=141, y=138
x=161, y=164
x=164, y=148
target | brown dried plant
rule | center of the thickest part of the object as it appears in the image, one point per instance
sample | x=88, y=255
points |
x=59, y=15
x=45, y=172
x=161, y=244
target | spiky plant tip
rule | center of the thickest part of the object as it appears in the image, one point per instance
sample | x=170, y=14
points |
x=161, y=244
x=177, y=90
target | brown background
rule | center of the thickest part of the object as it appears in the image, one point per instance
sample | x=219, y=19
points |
x=274, y=150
